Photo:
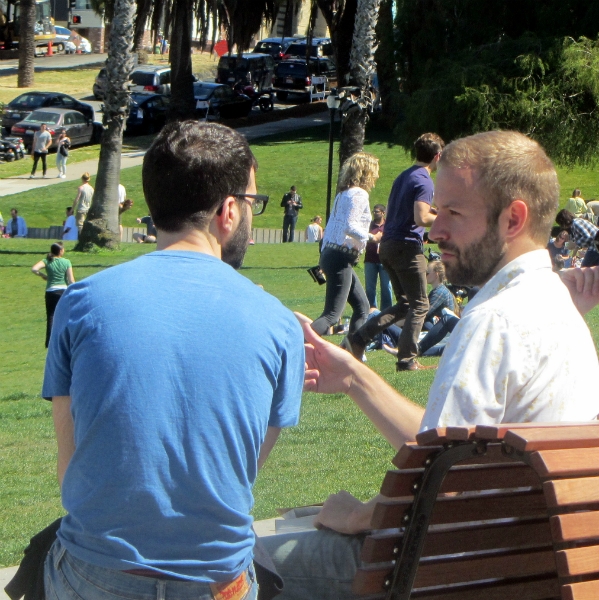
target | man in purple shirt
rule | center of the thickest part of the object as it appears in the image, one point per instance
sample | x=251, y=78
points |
x=409, y=211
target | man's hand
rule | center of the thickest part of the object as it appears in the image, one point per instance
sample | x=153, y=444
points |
x=344, y=513
x=583, y=285
x=329, y=369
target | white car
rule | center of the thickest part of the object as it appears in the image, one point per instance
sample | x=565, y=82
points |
x=70, y=47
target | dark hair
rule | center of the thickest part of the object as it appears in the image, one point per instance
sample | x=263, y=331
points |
x=14, y=210
x=576, y=193
x=293, y=188
x=55, y=250
x=381, y=207
x=190, y=169
x=427, y=146
x=564, y=219
x=68, y=208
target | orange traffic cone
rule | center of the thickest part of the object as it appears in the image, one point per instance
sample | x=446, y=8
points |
x=50, y=53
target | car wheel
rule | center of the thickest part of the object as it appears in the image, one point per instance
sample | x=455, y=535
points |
x=266, y=104
x=282, y=96
x=60, y=48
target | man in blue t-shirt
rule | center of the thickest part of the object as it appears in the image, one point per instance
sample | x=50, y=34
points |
x=409, y=211
x=159, y=443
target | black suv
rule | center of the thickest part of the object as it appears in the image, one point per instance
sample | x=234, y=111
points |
x=250, y=68
x=294, y=75
x=320, y=47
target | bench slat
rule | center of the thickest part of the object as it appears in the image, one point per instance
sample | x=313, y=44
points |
x=577, y=561
x=462, y=508
x=554, y=438
x=441, y=435
x=588, y=590
x=560, y=463
x=464, y=478
x=468, y=537
x=575, y=526
x=452, y=571
x=497, y=432
x=411, y=456
x=571, y=492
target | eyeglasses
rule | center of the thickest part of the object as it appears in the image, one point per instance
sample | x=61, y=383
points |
x=258, y=202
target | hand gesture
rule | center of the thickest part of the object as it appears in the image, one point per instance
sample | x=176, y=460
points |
x=343, y=513
x=583, y=285
x=329, y=368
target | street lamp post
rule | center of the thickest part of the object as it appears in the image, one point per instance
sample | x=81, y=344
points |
x=333, y=103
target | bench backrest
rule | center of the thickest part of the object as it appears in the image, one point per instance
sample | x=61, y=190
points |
x=490, y=512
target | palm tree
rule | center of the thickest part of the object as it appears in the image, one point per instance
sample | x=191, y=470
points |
x=358, y=102
x=101, y=227
x=26, y=74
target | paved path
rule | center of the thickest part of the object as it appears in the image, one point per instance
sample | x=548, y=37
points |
x=262, y=528
x=58, y=61
x=22, y=183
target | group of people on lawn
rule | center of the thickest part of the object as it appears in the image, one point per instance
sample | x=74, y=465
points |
x=156, y=466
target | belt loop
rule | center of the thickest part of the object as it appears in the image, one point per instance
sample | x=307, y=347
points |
x=161, y=589
x=59, y=552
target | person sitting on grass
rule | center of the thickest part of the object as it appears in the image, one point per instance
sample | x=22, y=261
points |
x=583, y=233
x=16, y=227
x=150, y=236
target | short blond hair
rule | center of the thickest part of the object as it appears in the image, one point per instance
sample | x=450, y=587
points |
x=359, y=170
x=510, y=166
x=86, y=176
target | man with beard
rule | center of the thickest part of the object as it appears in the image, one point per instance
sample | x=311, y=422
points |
x=159, y=443
x=401, y=253
x=521, y=352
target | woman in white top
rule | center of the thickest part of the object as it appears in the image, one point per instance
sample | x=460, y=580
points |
x=345, y=238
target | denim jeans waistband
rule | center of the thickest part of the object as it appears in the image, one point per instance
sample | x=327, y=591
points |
x=351, y=251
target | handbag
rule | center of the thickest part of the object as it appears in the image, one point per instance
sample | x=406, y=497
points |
x=64, y=148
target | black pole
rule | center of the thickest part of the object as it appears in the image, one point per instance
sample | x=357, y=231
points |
x=328, y=212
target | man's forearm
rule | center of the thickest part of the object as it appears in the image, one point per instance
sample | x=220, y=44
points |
x=397, y=418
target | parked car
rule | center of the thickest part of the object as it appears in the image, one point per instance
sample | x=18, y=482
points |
x=275, y=46
x=319, y=47
x=79, y=129
x=16, y=110
x=11, y=148
x=294, y=75
x=219, y=100
x=71, y=47
x=255, y=69
x=63, y=35
x=151, y=78
x=147, y=113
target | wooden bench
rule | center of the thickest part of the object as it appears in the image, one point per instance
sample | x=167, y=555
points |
x=488, y=513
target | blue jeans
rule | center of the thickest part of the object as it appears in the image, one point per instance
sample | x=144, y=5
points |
x=68, y=577
x=315, y=565
x=372, y=271
x=289, y=222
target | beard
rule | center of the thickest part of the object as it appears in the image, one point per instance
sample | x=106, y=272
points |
x=234, y=252
x=474, y=264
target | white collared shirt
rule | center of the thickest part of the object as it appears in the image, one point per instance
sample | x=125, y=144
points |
x=521, y=352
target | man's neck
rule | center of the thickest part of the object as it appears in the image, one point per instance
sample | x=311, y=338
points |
x=426, y=166
x=188, y=240
x=515, y=250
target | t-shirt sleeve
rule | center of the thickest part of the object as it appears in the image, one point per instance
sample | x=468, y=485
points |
x=57, y=374
x=287, y=396
x=474, y=378
x=424, y=190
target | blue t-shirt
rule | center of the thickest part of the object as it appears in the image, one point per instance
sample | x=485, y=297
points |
x=414, y=184
x=175, y=364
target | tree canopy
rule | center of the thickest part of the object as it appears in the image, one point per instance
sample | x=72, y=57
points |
x=468, y=66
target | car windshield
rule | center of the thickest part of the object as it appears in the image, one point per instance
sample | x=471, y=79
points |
x=202, y=91
x=28, y=101
x=144, y=79
x=39, y=116
x=267, y=47
x=291, y=69
x=233, y=63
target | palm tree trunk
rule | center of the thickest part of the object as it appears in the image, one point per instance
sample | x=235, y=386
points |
x=101, y=227
x=181, y=105
x=362, y=69
x=26, y=74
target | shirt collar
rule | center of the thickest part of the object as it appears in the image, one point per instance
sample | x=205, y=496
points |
x=505, y=277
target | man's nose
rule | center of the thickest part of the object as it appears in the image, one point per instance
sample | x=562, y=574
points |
x=435, y=233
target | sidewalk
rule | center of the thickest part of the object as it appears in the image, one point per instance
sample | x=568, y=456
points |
x=262, y=528
x=22, y=183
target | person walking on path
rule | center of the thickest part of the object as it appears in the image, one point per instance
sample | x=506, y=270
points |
x=345, y=238
x=42, y=140
x=409, y=211
x=59, y=274
x=373, y=268
x=62, y=153
x=292, y=203
x=83, y=201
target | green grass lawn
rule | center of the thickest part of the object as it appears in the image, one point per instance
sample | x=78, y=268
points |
x=334, y=446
